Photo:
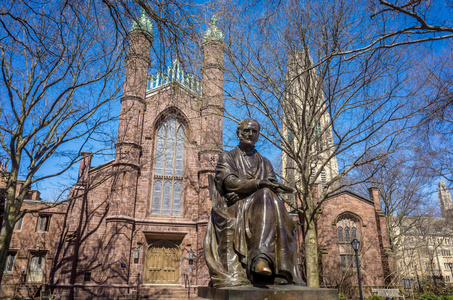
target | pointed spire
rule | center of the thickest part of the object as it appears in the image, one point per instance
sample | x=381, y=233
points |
x=445, y=200
x=142, y=23
x=213, y=33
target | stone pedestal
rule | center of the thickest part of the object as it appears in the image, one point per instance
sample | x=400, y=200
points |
x=274, y=292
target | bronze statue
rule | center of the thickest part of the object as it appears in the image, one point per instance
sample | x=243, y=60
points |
x=250, y=236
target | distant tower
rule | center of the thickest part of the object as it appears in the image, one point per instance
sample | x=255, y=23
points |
x=306, y=122
x=446, y=204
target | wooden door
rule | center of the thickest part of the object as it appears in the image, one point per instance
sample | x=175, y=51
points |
x=162, y=262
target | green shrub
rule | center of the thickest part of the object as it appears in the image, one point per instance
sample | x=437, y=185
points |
x=446, y=297
x=374, y=298
x=342, y=296
x=429, y=297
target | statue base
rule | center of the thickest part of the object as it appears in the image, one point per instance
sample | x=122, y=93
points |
x=271, y=292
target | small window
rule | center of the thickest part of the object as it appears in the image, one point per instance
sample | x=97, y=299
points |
x=406, y=284
x=87, y=277
x=347, y=261
x=350, y=261
x=343, y=261
x=18, y=225
x=43, y=223
x=323, y=177
x=340, y=234
x=346, y=234
x=10, y=259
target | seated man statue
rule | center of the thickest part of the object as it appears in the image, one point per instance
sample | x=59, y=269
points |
x=250, y=236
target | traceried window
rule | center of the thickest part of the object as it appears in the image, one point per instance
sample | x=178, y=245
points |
x=168, y=169
x=347, y=229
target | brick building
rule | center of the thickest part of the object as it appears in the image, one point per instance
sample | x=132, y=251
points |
x=137, y=223
x=345, y=216
x=32, y=247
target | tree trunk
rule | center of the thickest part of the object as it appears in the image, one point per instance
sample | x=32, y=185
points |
x=311, y=255
x=311, y=242
x=6, y=232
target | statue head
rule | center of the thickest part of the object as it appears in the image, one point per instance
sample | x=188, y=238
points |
x=248, y=132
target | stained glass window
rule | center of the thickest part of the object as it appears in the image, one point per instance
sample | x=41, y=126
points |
x=168, y=169
x=353, y=233
x=346, y=234
x=340, y=234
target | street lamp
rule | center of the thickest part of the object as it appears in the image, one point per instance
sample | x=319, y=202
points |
x=356, y=245
x=136, y=254
x=190, y=256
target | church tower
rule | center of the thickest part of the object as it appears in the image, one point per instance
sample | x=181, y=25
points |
x=445, y=201
x=306, y=123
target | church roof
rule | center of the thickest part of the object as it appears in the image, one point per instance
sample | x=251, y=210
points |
x=175, y=73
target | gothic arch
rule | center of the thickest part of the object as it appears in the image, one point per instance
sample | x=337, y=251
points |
x=350, y=215
x=180, y=116
x=348, y=226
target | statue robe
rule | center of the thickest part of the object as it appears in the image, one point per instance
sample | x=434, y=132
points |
x=255, y=226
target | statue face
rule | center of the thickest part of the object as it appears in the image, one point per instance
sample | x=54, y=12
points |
x=248, y=133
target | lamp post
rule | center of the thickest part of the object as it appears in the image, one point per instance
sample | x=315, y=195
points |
x=356, y=245
x=190, y=256
x=136, y=254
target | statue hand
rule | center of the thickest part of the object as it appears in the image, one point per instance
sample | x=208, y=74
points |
x=273, y=186
x=232, y=197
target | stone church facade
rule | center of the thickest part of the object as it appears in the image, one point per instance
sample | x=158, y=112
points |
x=137, y=223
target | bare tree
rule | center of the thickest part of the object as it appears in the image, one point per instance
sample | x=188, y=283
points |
x=436, y=121
x=403, y=184
x=327, y=113
x=60, y=73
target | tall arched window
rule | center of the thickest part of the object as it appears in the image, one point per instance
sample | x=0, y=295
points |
x=353, y=233
x=340, y=234
x=168, y=169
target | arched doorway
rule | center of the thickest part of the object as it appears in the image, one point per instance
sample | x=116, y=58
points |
x=162, y=262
